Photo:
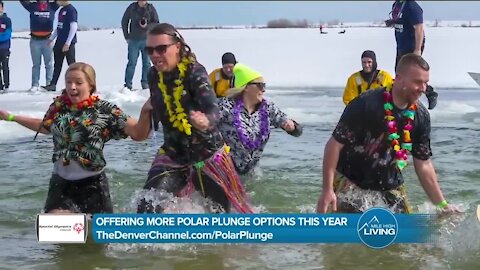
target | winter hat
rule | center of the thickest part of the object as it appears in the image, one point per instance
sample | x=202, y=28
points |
x=371, y=55
x=228, y=58
x=243, y=75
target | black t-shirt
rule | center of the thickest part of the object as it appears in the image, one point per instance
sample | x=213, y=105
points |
x=367, y=158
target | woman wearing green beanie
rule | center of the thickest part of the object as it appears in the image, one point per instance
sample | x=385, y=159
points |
x=246, y=118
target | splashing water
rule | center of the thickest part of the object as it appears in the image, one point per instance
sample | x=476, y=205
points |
x=195, y=204
x=363, y=199
x=171, y=204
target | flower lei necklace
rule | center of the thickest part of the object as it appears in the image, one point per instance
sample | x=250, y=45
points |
x=178, y=118
x=401, y=150
x=264, y=125
x=63, y=103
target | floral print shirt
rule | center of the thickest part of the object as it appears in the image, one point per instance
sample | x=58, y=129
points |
x=367, y=158
x=244, y=158
x=81, y=135
x=198, y=96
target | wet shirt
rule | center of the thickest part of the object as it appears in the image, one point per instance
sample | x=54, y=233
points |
x=198, y=95
x=81, y=135
x=367, y=156
x=244, y=158
x=406, y=14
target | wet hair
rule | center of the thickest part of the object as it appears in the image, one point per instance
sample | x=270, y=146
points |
x=170, y=30
x=89, y=72
x=411, y=59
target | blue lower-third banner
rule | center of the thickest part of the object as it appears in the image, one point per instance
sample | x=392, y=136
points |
x=376, y=228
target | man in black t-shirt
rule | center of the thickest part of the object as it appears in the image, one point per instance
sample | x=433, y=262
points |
x=360, y=155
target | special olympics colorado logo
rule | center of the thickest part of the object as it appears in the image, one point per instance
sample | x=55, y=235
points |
x=78, y=227
x=377, y=228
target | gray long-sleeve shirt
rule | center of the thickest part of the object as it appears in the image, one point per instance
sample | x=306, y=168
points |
x=133, y=16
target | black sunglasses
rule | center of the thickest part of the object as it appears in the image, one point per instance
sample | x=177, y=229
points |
x=160, y=49
x=260, y=85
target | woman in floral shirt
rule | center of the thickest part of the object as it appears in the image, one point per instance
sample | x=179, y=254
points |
x=81, y=124
x=246, y=117
x=193, y=154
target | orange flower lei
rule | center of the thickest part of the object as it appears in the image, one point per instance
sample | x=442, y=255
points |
x=401, y=150
x=63, y=104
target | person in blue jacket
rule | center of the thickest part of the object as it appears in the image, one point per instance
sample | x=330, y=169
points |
x=42, y=15
x=5, y=37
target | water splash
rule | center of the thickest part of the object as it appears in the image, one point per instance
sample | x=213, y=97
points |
x=171, y=204
x=363, y=199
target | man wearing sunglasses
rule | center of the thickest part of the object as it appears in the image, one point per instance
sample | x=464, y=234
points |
x=135, y=22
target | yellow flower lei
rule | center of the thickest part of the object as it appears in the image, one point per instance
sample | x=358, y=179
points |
x=178, y=117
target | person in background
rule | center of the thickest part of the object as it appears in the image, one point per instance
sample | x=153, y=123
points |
x=66, y=39
x=5, y=39
x=407, y=19
x=42, y=15
x=223, y=78
x=135, y=23
x=367, y=78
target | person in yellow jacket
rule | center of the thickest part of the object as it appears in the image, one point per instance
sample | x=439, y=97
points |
x=367, y=78
x=222, y=78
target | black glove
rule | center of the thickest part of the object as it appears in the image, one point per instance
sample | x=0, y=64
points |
x=389, y=23
x=432, y=97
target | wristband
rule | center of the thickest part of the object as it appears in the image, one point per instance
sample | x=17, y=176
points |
x=10, y=117
x=442, y=204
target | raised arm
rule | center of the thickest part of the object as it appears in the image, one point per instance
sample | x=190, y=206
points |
x=54, y=5
x=29, y=122
x=27, y=5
